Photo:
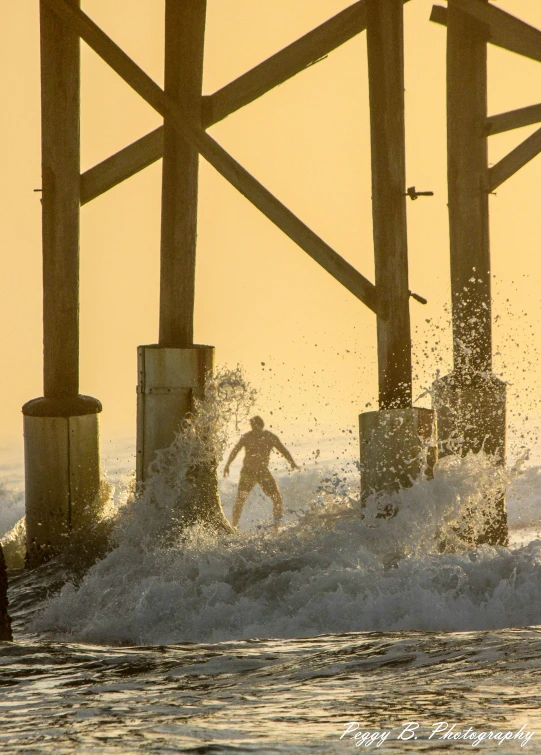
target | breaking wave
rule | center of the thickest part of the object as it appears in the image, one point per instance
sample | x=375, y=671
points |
x=336, y=567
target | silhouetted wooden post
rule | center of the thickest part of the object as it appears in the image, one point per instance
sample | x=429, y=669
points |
x=470, y=402
x=61, y=429
x=173, y=371
x=392, y=439
x=467, y=160
x=184, y=46
x=385, y=41
x=60, y=92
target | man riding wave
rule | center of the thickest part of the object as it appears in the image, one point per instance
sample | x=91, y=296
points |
x=258, y=444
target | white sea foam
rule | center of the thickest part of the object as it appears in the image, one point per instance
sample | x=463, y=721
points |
x=11, y=506
x=334, y=568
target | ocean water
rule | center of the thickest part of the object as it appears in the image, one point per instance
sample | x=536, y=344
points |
x=341, y=625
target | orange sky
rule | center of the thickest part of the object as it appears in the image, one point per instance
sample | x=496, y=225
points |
x=259, y=298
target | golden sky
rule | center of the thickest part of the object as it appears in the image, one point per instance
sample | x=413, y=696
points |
x=260, y=298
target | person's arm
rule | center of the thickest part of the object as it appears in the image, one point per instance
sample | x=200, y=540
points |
x=279, y=446
x=233, y=456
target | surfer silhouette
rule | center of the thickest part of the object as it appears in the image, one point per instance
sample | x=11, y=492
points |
x=258, y=444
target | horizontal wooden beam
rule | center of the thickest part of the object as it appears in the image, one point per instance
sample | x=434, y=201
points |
x=524, y=116
x=504, y=30
x=226, y=165
x=129, y=161
x=514, y=161
x=245, y=89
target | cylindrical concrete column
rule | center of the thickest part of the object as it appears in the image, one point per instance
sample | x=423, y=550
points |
x=396, y=445
x=62, y=471
x=169, y=379
x=470, y=411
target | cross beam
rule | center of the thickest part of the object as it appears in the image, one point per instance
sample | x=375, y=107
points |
x=226, y=165
x=503, y=29
x=122, y=165
x=284, y=64
x=272, y=72
x=524, y=116
x=514, y=161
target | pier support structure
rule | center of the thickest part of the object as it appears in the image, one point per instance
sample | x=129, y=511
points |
x=169, y=381
x=396, y=448
x=183, y=137
x=470, y=402
x=393, y=439
x=173, y=371
x=62, y=463
x=61, y=428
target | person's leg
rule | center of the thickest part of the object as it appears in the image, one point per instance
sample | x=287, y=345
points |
x=270, y=488
x=246, y=483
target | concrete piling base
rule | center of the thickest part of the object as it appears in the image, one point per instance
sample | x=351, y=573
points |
x=62, y=471
x=470, y=410
x=396, y=447
x=169, y=380
x=470, y=414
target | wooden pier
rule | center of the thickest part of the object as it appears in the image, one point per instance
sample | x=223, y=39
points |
x=61, y=482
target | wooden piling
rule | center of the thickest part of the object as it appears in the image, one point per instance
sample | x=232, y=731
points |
x=468, y=192
x=470, y=402
x=61, y=435
x=385, y=40
x=60, y=95
x=184, y=45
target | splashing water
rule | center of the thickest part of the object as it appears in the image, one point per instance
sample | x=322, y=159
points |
x=171, y=498
x=339, y=567
x=11, y=506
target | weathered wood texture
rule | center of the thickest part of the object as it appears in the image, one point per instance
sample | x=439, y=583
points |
x=505, y=30
x=468, y=194
x=122, y=165
x=514, y=161
x=524, y=116
x=245, y=89
x=184, y=46
x=502, y=29
x=288, y=62
x=229, y=168
x=60, y=82
x=385, y=39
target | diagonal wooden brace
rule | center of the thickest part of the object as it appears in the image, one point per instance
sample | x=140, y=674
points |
x=286, y=63
x=122, y=165
x=226, y=165
x=256, y=82
x=524, y=116
x=514, y=161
